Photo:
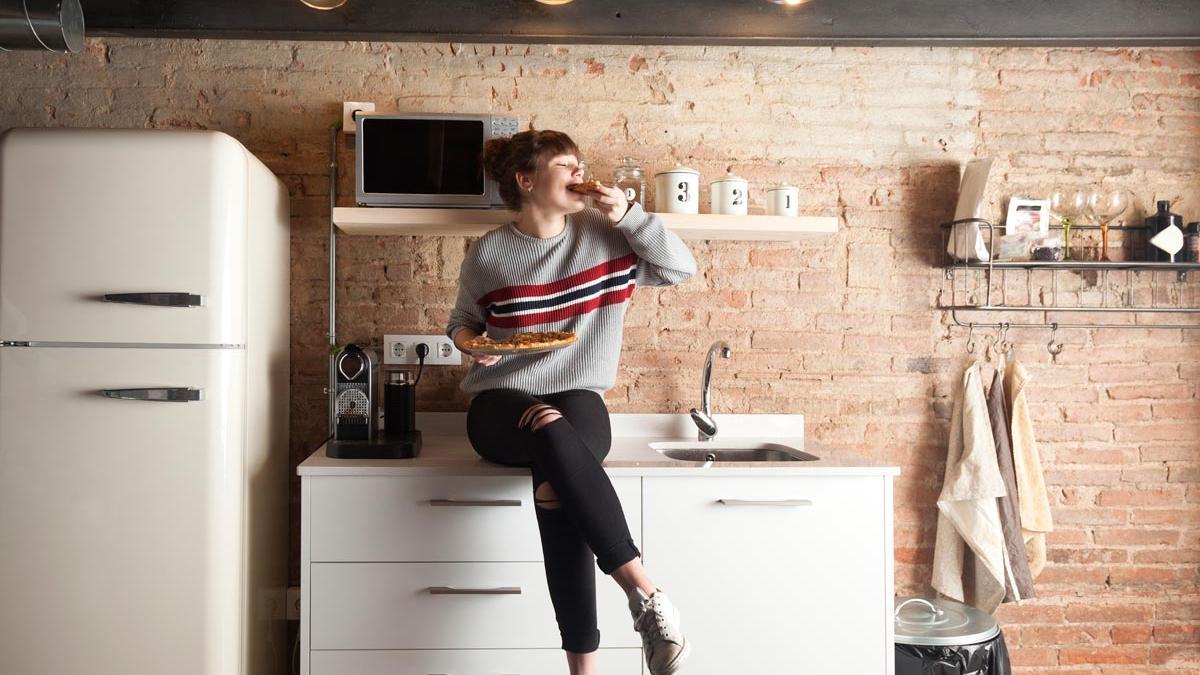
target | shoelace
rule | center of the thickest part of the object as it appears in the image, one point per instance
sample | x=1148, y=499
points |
x=652, y=622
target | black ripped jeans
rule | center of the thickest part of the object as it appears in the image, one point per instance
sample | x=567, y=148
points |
x=589, y=523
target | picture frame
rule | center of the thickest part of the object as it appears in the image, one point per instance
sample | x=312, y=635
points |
x=1027, y=217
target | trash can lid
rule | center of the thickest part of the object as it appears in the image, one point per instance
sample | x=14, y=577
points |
x=941, y=622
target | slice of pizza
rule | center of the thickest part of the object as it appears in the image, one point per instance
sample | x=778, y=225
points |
x=586, y=187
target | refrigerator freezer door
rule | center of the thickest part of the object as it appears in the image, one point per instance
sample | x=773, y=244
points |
x=120, y=520
x=156, y=220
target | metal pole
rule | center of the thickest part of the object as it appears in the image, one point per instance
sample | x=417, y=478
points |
x=331, y=389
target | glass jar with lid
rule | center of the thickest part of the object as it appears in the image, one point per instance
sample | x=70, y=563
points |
x=628, y=177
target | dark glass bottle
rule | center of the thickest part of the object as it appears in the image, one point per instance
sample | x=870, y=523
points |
x=1157, y=223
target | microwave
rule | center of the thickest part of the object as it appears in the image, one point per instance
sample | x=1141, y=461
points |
x=430, y=160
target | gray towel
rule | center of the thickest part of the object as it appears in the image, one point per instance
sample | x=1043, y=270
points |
x=1019, y=584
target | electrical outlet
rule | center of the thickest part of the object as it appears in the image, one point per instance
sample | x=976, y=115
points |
x=401, y=350
x=293, y=603
x=349, y=125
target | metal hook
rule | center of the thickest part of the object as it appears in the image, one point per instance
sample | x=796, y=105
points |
x=1054, y=349
x=995, y=346
x=971, y=339
x=1006, y=345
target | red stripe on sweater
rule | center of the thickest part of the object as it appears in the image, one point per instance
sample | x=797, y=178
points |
x=561, y=313
x=534, y=290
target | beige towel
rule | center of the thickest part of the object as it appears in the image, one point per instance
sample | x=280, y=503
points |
x=1033, y=502
x=1020, y=580
x=968, y=515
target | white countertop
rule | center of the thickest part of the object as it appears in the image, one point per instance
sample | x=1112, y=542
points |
x=445, y=450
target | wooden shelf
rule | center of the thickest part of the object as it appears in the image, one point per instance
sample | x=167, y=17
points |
x=474, y=222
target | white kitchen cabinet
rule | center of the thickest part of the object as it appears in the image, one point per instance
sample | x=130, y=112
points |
x=802, y=585
x=372, y=547
x=785, y=574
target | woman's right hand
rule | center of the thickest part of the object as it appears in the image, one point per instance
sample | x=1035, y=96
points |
x=485, y=359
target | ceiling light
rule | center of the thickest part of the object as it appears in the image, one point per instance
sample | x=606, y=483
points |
x=789, y=3
x=554, y=2
x=324, y=4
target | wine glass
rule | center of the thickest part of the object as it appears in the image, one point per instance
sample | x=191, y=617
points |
x=1065, y=205
x=1104, y=206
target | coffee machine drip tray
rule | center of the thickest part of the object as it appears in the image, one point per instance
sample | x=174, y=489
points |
x=404, y=445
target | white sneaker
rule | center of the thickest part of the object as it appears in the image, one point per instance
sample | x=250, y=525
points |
x=658, y=622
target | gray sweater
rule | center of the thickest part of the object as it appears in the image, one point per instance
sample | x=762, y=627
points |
x=580, y=280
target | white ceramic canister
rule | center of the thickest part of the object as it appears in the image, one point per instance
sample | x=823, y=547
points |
x=782, y=200
x=677, y=190
x=730, y=195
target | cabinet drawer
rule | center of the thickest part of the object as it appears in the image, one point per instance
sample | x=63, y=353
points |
x=434, y=518
x=467, y=662
x=802, y=562
x=393, y=606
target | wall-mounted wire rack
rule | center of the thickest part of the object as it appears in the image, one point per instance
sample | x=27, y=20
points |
x=980, y=288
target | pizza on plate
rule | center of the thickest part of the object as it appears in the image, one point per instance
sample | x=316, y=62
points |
x=519, y=342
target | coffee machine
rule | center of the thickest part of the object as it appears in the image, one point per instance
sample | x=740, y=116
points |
x=357, y=434
x=357, y=394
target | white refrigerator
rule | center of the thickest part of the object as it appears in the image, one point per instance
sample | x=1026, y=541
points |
x=144, y=373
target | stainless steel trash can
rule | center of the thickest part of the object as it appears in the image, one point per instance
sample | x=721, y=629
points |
x=938, y=636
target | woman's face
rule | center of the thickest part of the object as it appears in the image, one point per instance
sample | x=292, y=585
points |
x=550, y=183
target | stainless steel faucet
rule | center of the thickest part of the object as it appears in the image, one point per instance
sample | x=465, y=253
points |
x=703, y=418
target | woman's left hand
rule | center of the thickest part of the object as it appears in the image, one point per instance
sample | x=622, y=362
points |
x=612, y=202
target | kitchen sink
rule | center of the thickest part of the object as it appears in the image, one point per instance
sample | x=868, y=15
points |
x=730, y=451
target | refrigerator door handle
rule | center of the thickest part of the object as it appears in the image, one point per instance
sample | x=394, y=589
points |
x=171, y=394
x=157, y=299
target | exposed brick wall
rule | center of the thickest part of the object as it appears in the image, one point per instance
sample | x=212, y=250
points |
x=842, y=330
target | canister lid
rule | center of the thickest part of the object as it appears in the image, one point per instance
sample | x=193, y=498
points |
x=678, y=168
x=781, y=187
x=941, y=622
x=728, y=178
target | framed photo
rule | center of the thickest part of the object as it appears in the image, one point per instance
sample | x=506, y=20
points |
x=1027, y=218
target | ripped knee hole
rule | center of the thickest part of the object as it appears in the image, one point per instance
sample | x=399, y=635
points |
x=538, y=416
x=545, y=497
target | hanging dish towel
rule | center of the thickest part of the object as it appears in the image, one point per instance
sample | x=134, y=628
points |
x=1033, y=502
x=1019, y=581
x=968, y=515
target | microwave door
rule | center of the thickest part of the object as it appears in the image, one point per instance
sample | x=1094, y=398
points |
x=403, y=161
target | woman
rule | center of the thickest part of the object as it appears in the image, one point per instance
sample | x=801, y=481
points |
x=560, y=266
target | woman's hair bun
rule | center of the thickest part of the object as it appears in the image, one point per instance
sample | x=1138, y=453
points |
x=495, y=156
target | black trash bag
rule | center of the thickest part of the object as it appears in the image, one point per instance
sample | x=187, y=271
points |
x=985, y=658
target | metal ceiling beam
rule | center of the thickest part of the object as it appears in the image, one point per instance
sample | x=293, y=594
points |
x=696, y=22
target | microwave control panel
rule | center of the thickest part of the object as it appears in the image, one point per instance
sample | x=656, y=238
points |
x=503, y=127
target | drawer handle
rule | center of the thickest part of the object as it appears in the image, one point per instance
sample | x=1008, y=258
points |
x=451, y=590
x=474, y=502
x=765, y=502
